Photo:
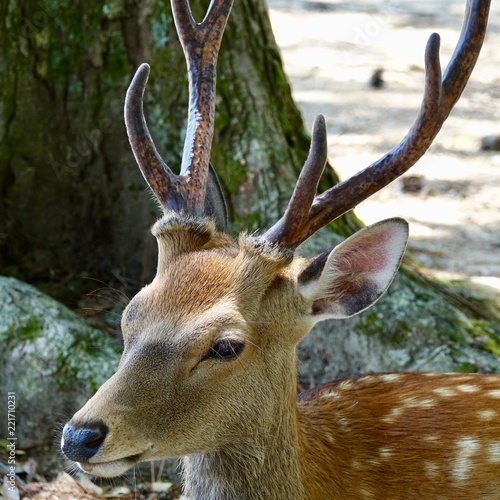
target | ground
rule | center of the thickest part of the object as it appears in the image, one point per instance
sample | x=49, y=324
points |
x=330, y=51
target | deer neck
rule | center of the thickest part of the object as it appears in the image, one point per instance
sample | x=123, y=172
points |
x=264, y=465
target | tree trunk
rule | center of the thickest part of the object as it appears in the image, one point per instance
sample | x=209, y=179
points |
x=74, y=205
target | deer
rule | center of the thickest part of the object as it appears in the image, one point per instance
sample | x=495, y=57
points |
x=209, y=368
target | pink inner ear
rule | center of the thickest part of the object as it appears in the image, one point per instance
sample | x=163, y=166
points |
x=360, y=269
x=370, y=253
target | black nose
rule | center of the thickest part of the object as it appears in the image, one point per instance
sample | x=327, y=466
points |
x=81, y=443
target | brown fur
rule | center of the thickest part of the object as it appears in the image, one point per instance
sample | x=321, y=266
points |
x=399, y=437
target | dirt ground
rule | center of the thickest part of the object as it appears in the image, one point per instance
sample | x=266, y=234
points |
x=331, y=49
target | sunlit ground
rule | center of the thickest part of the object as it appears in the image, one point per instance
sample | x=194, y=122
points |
x=330, y=50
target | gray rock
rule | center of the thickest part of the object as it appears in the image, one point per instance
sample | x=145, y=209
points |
x=52, y=361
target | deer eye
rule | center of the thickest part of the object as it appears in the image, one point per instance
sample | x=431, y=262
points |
x=226, y=350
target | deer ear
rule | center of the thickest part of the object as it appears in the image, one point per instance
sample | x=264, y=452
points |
x=355, y=274
x=215, y=205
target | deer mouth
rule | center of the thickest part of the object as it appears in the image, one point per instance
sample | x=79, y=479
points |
x=110, y=468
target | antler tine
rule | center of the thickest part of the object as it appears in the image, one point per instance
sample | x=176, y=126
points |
x=439, y=98
x=159, y=177
x=346, y=195
x=201, y=43
x=298, y=210
x=466, y=52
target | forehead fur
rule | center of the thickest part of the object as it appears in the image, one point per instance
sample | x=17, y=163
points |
x=177, y=234
x=193, y=280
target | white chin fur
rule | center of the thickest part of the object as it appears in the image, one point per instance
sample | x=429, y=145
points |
x=110, y=469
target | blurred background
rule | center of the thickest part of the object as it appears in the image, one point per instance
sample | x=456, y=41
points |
x=333, y=50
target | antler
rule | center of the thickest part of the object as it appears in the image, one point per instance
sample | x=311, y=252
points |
x=306, y=213
x=200, y=43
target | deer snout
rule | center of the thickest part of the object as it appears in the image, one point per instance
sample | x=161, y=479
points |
x=81, y=443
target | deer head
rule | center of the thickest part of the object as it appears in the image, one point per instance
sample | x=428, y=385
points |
x=208, y=367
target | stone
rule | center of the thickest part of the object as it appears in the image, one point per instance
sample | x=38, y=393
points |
x=51, y=362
